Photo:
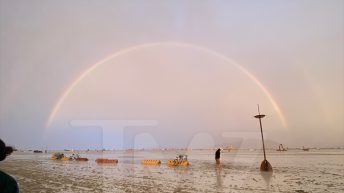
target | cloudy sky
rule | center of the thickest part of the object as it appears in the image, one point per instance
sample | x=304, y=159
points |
x=93, y=74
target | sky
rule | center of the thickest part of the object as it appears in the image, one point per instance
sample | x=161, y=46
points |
x=146, y=74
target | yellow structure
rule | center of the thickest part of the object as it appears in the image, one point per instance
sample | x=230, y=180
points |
x=66, y=159
x=150, y=162
x=177, y=163
x=181, y=160
x=57, y=156
x=60, y=158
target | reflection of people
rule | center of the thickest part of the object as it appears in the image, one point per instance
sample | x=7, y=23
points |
x=217, y=156
x=7, y=183
x=219, y=180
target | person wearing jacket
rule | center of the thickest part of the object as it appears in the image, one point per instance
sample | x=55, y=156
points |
x=7, y=183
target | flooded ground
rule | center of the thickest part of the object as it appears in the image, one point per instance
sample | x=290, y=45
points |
x=293, y=171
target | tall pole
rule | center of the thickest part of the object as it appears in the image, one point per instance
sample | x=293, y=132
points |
x=261, y=130
x=265, y=165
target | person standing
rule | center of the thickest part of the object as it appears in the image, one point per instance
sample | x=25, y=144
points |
x=217, y=156
x=7, y=183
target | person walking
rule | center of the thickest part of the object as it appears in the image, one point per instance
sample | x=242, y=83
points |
x=7, y=183
x=217, y=156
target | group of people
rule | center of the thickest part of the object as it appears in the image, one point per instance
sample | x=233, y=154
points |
x=7, y=183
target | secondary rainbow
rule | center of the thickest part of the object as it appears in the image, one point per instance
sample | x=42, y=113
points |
x=75, y=83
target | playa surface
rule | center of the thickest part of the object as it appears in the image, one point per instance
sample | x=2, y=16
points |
x=293, y=171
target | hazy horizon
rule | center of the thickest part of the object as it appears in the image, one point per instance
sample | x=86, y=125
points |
x=123, y=74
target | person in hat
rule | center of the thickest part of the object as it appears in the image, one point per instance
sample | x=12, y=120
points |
x=7, y=183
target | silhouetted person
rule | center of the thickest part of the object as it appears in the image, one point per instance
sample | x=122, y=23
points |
x=7, y=183
x=217, y=156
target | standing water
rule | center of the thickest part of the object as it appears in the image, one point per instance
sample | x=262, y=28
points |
x=294, y=171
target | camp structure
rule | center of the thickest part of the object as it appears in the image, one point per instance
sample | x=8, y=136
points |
x=106, y=161
x=181, y=160
x=150, y=162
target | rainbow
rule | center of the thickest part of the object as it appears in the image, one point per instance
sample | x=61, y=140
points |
x=75, y=83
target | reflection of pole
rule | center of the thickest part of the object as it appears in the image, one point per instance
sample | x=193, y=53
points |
x=259, y=116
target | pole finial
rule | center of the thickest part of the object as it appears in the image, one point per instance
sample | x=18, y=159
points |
x=259, y=116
